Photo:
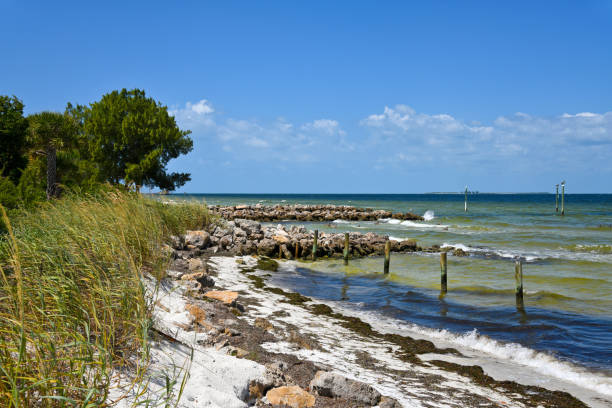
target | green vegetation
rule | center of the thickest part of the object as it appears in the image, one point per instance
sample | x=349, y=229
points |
x=48, y=132
x=72, y=302
x=131, y=138
x=125, y=138
x=12, y=137
x=76, y=241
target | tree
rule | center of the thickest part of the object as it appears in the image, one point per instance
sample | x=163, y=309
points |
x=13, y=127
x=47, y=132
x=132, y=138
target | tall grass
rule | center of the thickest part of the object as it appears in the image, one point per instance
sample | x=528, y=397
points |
x=72, y=305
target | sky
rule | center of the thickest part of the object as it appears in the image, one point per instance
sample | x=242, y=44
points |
x=341, y=96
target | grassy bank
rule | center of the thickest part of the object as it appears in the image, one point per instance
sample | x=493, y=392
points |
x=72, y=306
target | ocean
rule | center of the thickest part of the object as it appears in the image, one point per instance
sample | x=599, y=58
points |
x=565, y=329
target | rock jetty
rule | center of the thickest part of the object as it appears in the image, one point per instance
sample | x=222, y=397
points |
x=301, y=212
x=248, y=237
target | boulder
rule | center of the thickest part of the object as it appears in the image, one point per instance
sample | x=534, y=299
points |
x=266, y=247
x=195, y=264
x=292, y=396
x=388, y=402
x=281, y=239
x=239, y=232
x=199, y=239
x=200, y=277
x=333, y=385
x=225, y=296
x=249, y=226
x=407, y=245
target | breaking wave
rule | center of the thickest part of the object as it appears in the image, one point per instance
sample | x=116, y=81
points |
x=539, y=362
x=429, y=215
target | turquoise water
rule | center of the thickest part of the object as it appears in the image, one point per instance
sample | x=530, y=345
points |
x=567, y=267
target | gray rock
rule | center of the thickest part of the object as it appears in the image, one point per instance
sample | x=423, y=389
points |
x=249, y=226
x=199, y=239
x=239, y=232
x=174, y=274
x=388, y=402
x=266, y=247
x=333, y=385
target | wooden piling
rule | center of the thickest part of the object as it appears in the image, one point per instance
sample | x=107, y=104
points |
x=557, y=199
x=465, y=205
x=518, y=278
x=563, y=198
x=314, y=245
x=297, y=249
x=387, y=256
x=346, y=248
x=443, y=266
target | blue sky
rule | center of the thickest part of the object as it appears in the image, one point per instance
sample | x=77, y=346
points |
x=341, y=97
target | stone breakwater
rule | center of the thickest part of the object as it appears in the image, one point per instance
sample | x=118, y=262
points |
x=248, y=237
x=300, y=212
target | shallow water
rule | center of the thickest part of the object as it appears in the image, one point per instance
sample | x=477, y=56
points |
x=567, y=268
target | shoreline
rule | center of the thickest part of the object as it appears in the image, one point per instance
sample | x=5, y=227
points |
x=267, y=324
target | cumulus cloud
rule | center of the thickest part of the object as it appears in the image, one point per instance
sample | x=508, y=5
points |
x=401, y=137
x=278, y=139
x=516, y=138
x=203, y=107
x=198, y=114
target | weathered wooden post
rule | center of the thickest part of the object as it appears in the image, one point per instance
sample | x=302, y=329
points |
x=465, y=205
x=387, y=256
x=518, y=278
x=557, y=199
x=297, y=249
x=563, y=197
x=346, y=248
x=314, y=245
x=443, y=272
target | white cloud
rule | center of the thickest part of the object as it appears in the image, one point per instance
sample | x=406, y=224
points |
x=327, y=126
x=400, y=136
x=195, y=115
x=278, y=139
x=201, y=108
x=514, y=139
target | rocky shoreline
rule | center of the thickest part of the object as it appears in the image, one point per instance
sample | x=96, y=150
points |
x=307, y=213
x=289, y=350
x=247, y=237
x=229, y=308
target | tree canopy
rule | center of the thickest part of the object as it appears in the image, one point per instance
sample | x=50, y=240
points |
x=48, y=132
x=132, y=137
x=13, y=127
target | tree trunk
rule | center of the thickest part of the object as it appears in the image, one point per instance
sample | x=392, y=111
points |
x=52, y=188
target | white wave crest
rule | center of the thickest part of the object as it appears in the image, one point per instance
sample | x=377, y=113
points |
x=414, y=224
x=391, y=221
x=538, y=361
x=429, y=215
x=411, y=224
x=341, y=222
x=530, y=256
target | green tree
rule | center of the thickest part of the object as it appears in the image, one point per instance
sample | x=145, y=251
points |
x=48, y=132
x=132, y=137
x=13, y=127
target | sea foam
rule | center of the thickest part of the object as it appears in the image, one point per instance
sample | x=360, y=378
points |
x=539, y=362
